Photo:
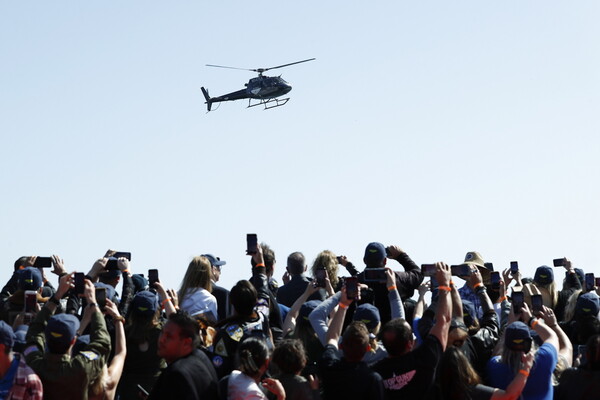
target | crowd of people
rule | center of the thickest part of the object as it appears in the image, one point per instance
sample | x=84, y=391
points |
x=375, y=331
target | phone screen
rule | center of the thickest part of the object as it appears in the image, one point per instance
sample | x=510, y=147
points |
x=30, y=301
x=320, y=276
x=590, y=281
x=428, y=269
x=375, y=275
x=43, y=262
x=120, y=254
x=101, y=297
x=79, y=279
x=537, y=303
x=152, y=276
x=517, y=301
x=251, y=243
x=495, y=280
x=514, y=267
x=351, y=287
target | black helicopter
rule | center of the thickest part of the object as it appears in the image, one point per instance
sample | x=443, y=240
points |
x=264, y=89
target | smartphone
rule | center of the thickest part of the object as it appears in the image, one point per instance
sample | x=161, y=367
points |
x=590, y=281
x=101, y=297
x=489, y=266
x=428, y=269
x=120, y=254
x=30, y=301
x=460, y=270
x=351, y=287
x=112, y=264
x=495, y=280
x=339, y=259
x=537, y=303
x=152, y=277
x=559, y=262
x=320, y=276
x=251, y=243
x=518, y=299
x=375, y=275
x=514, y=267
x=79, y=282
x=43, y=262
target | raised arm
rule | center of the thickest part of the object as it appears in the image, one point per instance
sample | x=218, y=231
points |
x=318, y=317
x=396, y=305
x=565, y=347
x=115, y=369
x=443, y=314
x=335, y=327
x=513, y=391
x=289, y=325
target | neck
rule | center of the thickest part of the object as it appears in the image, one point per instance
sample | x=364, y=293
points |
x=5, y=362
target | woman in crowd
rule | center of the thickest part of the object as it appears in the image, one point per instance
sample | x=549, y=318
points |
x=253, y=361
x=328, y=261
x=583, y=382
x=194, y=294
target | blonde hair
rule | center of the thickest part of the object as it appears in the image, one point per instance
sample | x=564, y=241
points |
x=198, y=275
x=328, y=261
x=571, y=304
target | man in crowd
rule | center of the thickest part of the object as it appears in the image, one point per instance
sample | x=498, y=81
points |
x=17, y=380
x=66, y=377
x=220, y=293
x=468, y=292
x=408, y=372
x=292, y=290
x=189, y=374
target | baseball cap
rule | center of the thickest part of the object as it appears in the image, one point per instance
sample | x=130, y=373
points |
x=587, y=304
x=62, y=328
x=145, y=303
x=544, y=275
x=517, y=337
x=7, y=335
x=30, y=278
x=214, y=261
x=368, y=314
x=110, y=291
x=307, y=308
x=139, y=282
x=20, y=338
x=375, y=253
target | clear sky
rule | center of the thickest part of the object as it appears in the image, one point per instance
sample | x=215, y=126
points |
x=442, y=127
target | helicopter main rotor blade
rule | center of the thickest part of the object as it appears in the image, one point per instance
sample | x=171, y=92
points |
x=222, y=66
x=284, y=65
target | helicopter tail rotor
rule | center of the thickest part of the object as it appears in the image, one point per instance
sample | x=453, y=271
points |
x=207, y=97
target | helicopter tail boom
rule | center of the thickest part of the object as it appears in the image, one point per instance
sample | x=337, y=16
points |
x=207, y=97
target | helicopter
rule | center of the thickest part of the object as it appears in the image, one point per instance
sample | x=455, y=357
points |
x=264, y=89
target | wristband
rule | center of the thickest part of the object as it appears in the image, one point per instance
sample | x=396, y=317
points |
x=534, y=323
x=446, y=288
x=92, y=305
x=451, y=283
x=475, y=286
x=343, y=306
x=260, y=265
x=393, y=287
x=524, y=373
x=501, y=299
x=120, y=318
x=165, y=301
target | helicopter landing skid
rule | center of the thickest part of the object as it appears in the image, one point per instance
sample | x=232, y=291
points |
x=269, y=103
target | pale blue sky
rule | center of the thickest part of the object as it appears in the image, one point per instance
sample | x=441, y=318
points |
x=441, y=127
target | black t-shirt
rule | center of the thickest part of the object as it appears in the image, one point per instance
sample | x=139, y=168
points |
x=411, y=375
x=348, y=381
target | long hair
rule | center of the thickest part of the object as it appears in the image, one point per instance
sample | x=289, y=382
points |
x=252, y=354
x=455, y=375
x=139, y=327
x=513, y=358
x=198, y=275
x=571, y=304
x=328, y=261
x=552, y=290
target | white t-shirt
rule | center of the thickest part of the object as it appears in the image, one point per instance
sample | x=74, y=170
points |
x=200, y=301
x=242, y=387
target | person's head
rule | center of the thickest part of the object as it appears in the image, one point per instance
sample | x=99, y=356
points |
x=328, y=261
x=61, y=332
x=544, y=278
x=216, y=264
x=139, y=282
x=198, y=275
x=368, y=314
x=517, y=341
x=290, y=356
x=470, y=317
x=30, y=278
x=455, y=374
x=296, y=264
x=355, y=341
x=375, y=255
x=458, y=333
x=253, y=357
x=7, y=339
x=474, y=259
x=21, y=263
x=268, y=257
x=243, y=298
x=179, y=337
x=110, y=277
x=587, y=304
x=397, y=337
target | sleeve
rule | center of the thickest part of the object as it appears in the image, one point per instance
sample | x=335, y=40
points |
x=318, y=317
x=410, y=280
x=330, y=356
x=396, y=305
x=128, y=289
x=36, y=341
x=93, y=356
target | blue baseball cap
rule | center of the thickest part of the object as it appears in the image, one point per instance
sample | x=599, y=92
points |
x=214, y=261
x=517, y=337
x=587, y=304
x=110, y=291
x=307, y=308
x=7, y=335
x=368, y=314
x=62, y=328
x=375, y=253
x=145, y=303
x=30, y=278
x=544, y=275
x=139, y=282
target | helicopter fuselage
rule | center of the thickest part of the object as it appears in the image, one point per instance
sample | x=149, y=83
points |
x=261, y=88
